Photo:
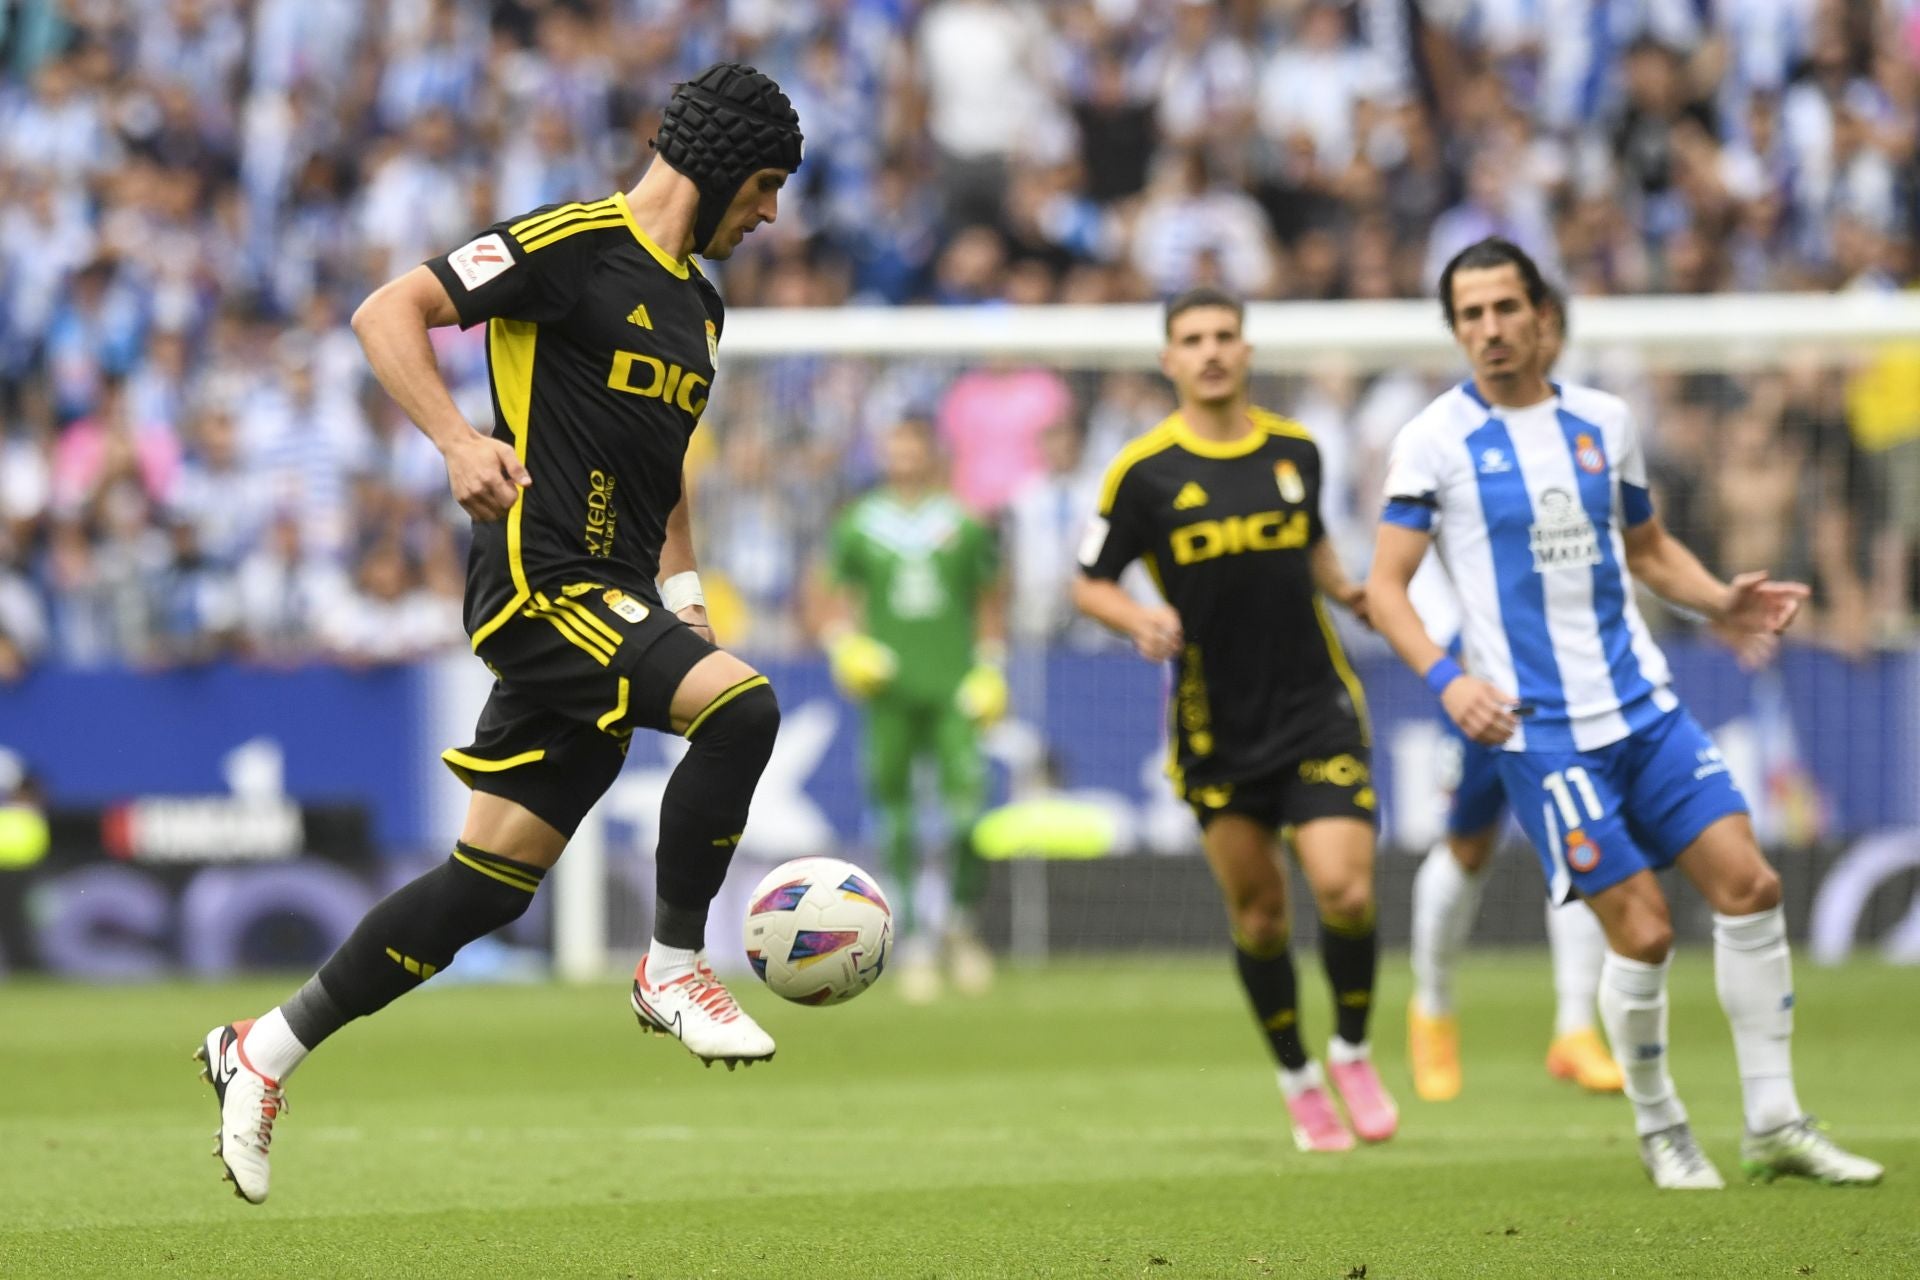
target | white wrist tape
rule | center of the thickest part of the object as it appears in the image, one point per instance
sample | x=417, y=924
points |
x=681, y=591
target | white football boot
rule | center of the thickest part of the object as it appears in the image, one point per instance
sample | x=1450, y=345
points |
x=1675, y=1161
x=699, y=1012
x=1801, y=1149
x=249, y=1104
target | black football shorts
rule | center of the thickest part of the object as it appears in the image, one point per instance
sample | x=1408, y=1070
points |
x=577, y=668
x=1335, y=786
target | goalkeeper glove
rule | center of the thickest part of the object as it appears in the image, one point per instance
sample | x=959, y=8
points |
x=982, y=696
x=861, y=665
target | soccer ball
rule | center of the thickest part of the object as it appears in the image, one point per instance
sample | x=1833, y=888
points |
x=818, y=930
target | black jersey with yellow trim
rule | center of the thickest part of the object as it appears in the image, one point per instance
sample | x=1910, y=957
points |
x=1227, y=528
x=601, y=347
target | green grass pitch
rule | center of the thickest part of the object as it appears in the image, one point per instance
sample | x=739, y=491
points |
x=1112, y=1118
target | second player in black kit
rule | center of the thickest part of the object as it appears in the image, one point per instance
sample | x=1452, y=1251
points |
x=1267, y=717
x=1267, y=722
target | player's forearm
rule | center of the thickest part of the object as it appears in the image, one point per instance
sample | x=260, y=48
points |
x=676, y=551
x=1664, y=565
x=1106, y=603
x=990, y=619
x=393, y=333
x=1329, y=578
x=827, y=608
x=1395, y=619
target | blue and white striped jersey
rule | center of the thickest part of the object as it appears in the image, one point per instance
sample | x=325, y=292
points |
x=1527, y=507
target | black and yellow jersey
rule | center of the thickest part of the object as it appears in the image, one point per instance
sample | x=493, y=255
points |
x=1225, y=528
x=601, y=348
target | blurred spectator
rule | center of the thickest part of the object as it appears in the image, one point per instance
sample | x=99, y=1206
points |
x=990, y=423
x=195, y=193
x=1194, y=229
x=390, y=615
x=1043, y=525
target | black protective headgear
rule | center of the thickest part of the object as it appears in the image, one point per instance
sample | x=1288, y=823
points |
x=720, y=128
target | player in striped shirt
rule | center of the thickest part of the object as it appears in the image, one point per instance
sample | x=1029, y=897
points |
x=1535, y=494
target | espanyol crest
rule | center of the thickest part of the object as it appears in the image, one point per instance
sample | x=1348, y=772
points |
x=1588, y=455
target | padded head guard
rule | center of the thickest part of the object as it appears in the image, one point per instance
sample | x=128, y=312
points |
x=722, y=127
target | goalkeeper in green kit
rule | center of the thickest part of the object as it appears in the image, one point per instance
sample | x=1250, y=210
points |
x=914, y=623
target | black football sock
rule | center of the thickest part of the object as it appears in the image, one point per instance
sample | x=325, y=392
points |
x=704, y=810
x=1351, y=953
x=1267, y=974
x=410, y=935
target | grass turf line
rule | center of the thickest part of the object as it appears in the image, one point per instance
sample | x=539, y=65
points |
x=1091, y=1119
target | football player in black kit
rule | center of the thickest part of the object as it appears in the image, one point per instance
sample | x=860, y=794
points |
x=1267, y=719
x=582, y=590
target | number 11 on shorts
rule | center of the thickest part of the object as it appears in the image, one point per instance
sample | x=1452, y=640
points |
x=1557, y=787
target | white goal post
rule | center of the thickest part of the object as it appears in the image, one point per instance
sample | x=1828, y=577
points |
x=1726, y=330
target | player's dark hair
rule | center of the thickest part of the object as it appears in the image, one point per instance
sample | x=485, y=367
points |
x=1491, y=252
x=1203, y=296
x=1555, y=300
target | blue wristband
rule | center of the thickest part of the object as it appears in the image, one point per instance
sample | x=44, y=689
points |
x=1443, y=673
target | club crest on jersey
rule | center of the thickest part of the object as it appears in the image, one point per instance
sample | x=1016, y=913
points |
x=1562, y=537
x=1588, y=454
x=624, y=605
x=713, y=345
x=1287, y=476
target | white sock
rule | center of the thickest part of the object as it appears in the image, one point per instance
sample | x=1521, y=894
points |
x=270, y=1047
x=1578, y=945
x=1343, y=1054
x=1446, y=898
x=1753, y=972
x=1294, y=1083
x=1633, y=1005
x=665, y=963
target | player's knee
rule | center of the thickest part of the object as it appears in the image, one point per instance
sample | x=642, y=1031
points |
x=1348, y=906
x=1754, y=889
x=745, y=719
x=1646, y=937
x=1472, y=852
x=1260, y=925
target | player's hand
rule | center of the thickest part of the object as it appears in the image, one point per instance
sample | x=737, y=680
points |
x=861, y=665
x=1756, y=602
x=1157, y=634
x=1752, y=650
x=1483, y=712
x=982, y=695
x=695, y=616
x=485, y=476
x=1353, y=598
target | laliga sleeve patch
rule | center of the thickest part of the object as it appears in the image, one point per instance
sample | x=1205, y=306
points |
x=1093, y=541
x=480, y=261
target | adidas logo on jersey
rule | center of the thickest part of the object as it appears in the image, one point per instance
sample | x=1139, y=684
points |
x=1190, y=496
x=640, y=317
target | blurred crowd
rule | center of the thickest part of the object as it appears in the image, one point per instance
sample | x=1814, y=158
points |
x=194, y=194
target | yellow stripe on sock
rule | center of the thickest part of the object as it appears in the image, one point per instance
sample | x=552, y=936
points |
x=498, y=873
x=721, y=701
